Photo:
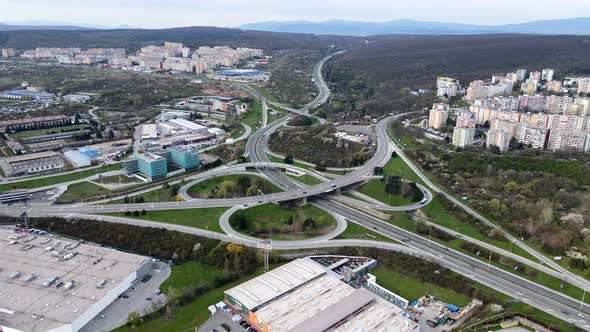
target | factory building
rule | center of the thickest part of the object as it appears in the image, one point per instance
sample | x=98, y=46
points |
x=315, y=294
x=55, y=284
x=77, y=159
x=35, y=163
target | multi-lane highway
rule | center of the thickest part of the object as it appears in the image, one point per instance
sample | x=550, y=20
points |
x=548, y=300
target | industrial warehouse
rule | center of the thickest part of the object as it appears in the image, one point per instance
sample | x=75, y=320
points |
x=319, y=293
x=51, y=284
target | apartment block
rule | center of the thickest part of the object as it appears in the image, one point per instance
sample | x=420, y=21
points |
x=508, y=126
x=567, y=140
x=547, y=74
x=558, y=104
x=536, y=137
x=438, y=115
x=498, y=138
x=8, y=52
x=531, y=103
x=447, y=86
x=463, y=137
x=521, y=74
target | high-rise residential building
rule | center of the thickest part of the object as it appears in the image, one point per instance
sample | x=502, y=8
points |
x=584, y=85
x=508, y=126
x=463, y=137
x=521, y=74
x=476, y=90
x=565, y=122
x=535, y=76
x=558, y=104
x=498, y=138
x=438, y=115
x=536, y=137
x=465, y=119
x=512, y=76
x=554, y=87
x=583, y=106
x=534, y=119
x=509, y=103
x=567, y=140
x=8, y=52
x=547, y=74
x=531, y=103
x=447, y=86
x=529, y=87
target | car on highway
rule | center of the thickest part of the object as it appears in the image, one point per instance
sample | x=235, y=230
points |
x=148, y=298
x=158, y=292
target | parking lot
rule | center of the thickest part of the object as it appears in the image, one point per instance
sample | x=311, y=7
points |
x=134, y=299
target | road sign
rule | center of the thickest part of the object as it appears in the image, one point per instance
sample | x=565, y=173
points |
x=265, y=245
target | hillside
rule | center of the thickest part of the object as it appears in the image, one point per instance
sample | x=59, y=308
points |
x=574, y=26
x=373, y=75
x=190, y=36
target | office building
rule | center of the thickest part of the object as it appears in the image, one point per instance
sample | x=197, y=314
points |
x=567, y=140
x=55, y=284
x=308, y=295
x=535, y=137
x=183, y=156
x=463, y=137
x=149, y=165
x=499, y=138
x=438, y=116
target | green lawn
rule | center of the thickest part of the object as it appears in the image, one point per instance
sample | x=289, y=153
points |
x=190, y=273
x=397, y=167
x=376, y=189
x=80, y=191
x=190, y=315
x=253, y=117
x=306, y=179
x=204, y=189
x=271, y=221
x=206, y=218
x=37, y=132
x=51, y=180
x=158, y=195
x=356, y=231
x=412, y=289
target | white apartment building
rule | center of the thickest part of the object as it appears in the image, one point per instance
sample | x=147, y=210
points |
x=547, y=74
x=498, y=138
x=463, y=137
x=567, y=140
x=533, y=136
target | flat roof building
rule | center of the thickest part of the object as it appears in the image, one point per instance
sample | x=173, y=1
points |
x=304, y=296
x=149, y=132
x=35, y=163
x=77, y=158
x=192, y=127
x=55, y=284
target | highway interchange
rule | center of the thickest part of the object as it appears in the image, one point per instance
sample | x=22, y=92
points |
x=323, y=196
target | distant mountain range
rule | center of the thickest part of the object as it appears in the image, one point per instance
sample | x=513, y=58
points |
x=42, y=25
x=574, y=26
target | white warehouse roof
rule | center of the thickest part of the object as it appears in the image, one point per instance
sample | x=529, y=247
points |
x=187, y=124
x=28, y=262
x=77, y=158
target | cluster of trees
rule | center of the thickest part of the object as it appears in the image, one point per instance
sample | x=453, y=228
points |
x=395, y=186
x=296, y=223
x=319, y=145
x=537, y=195
x=300, y=121
x=502, y=260
x=244, y=186
x=424, y=229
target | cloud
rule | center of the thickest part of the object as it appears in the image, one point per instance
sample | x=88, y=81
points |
x=169, y=13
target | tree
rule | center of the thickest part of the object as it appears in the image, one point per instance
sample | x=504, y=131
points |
x=288, y=159
x=252, y=190
x=143, y=212
x=243, y=183
x=133, y=319
x=378, y=170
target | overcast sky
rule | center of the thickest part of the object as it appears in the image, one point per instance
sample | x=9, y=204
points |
x=229, y=13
